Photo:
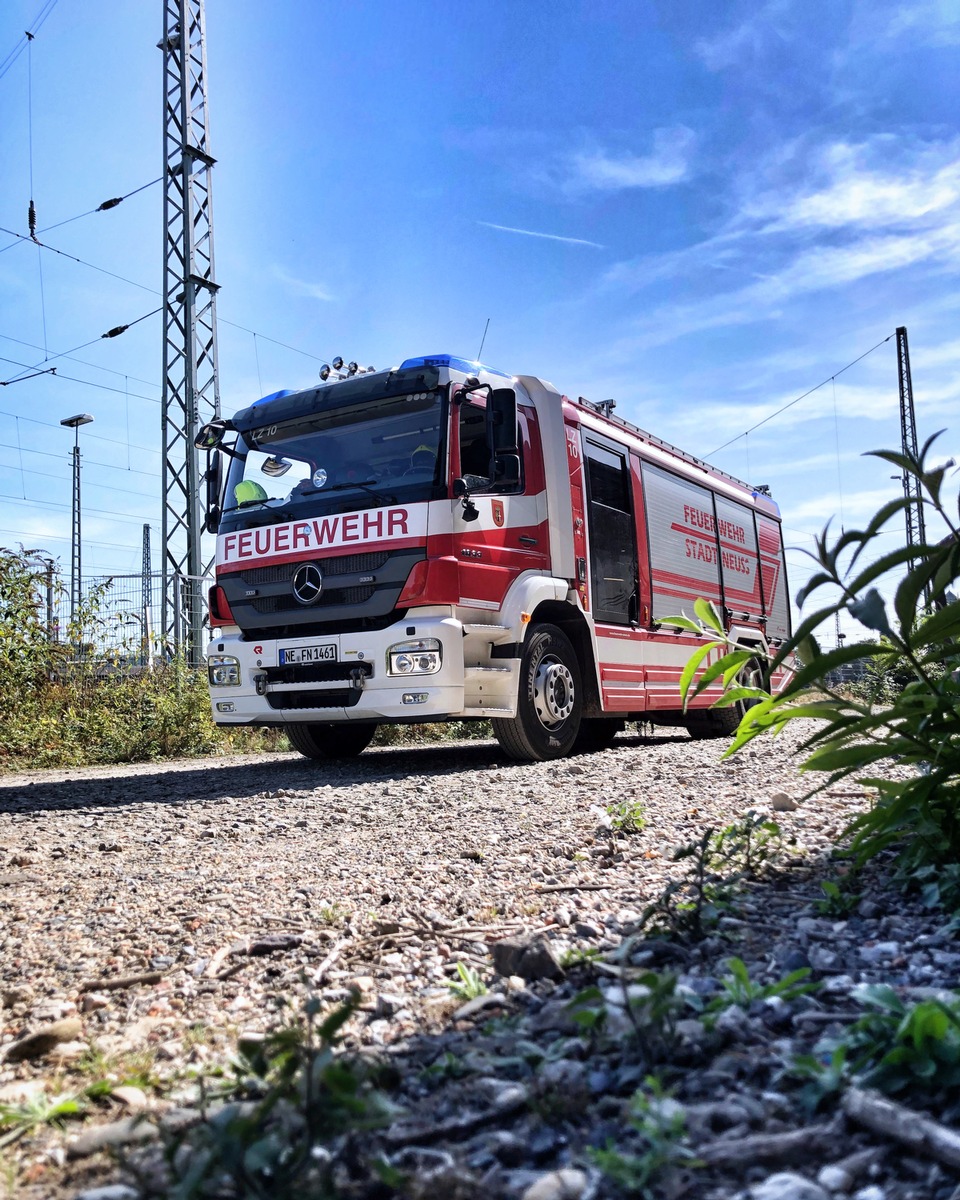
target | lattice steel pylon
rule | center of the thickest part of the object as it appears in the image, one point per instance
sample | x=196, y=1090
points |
x=191, y=392
x=913, y=512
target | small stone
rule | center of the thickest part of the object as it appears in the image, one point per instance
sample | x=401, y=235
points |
x=390, y=1003
x=117, y=1133
x=11, y=996
x=879, y=952
x=133, y=1097
x=785, y=1185
x=529, y=957
x=21, y=1091
x=566, y=1184
x=478, y=1004
x=783, y=802
x=584, y=929
x=796, y=960
x=834, y=1178
x=112, y=1191
x=66, y=1052
x=93, y=1001
x=733, y=1021
x=871, y=1192
x=43, y=1040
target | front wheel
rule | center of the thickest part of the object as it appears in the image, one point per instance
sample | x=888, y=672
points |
x=331, y=741
x=550, y=701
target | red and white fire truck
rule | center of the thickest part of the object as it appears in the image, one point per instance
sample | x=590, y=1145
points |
x=442, y=541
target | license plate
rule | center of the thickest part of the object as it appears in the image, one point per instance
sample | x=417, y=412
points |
x=308, y=654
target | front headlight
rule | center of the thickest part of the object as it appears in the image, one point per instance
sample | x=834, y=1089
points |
x=422, y=657
x=223, y=670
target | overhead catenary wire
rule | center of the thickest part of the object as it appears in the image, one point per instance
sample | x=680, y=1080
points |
x=105, y=206
x=83, y=362
x=111, y=333
x=99, y=437
x=24, y=42
x=807, y=393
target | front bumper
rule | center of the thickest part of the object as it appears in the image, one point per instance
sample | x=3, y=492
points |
x=354, y=686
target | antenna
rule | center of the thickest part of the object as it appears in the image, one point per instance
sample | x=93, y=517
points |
x=483, y=339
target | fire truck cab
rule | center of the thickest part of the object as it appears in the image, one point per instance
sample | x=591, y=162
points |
x=442, y=541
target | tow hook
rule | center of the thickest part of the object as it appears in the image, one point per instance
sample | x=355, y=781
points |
x=260, y=682
x=357, y=676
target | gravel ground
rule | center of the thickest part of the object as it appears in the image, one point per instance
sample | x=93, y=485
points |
x=152, y=912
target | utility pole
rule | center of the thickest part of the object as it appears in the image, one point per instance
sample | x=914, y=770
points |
x=146, y=599
x=913, y=513
x=76, y=540
x=191, y=393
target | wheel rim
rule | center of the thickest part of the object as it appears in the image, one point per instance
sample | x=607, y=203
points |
x=553, y=693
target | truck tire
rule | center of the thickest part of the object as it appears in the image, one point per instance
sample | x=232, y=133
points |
x=331, y=741
x=596, y=733
x=723, y=722
x=550, y=700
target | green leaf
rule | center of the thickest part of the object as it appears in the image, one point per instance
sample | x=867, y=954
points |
x=680, y=623
x=693, y=663
x=939, y=626
x=708, y=615
x=724, y=665
x=887, y=562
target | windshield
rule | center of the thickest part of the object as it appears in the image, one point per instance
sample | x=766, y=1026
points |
x=378, y=452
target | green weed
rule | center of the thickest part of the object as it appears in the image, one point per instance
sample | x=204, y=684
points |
x=468, y=985
x=913, y=719
x=739, y=988
x=659, y=1126
x=626, y=816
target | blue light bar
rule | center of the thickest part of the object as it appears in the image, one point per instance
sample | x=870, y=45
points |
x=449, y=360
x=272, y=396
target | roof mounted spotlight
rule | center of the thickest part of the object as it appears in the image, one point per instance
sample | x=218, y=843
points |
x=325, y=372
x=352, y=368
x=337, y=363
x=368, y=369
x=763, y=489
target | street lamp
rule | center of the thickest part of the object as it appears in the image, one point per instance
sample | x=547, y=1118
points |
x=74, y=423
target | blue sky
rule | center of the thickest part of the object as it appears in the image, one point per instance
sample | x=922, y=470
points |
x=700, y=210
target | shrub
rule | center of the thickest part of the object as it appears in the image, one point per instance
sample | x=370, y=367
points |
x=75, y=704
x=917, y=727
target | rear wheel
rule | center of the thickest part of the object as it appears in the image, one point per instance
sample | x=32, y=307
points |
x=596, y=733
x=550, y=701
x=331, y=741
x=723, y=722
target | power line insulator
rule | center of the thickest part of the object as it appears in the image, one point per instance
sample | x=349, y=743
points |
x=112, y=203
x=32, y=220
x=115, y=331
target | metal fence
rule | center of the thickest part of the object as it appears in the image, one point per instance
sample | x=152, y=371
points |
x=119, y=617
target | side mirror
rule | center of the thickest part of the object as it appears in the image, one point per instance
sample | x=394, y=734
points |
x=506, y=473
x=210, y=435
x=275, y=467
x=213, y=477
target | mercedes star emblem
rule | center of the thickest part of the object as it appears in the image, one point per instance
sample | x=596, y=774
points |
x=307, y=584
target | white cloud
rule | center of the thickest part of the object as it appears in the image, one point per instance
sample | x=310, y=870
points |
x=552, y=237
x=735, y=45
x=849, y=189
x=316, y=291
x=668, y=163
x=856, y=505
